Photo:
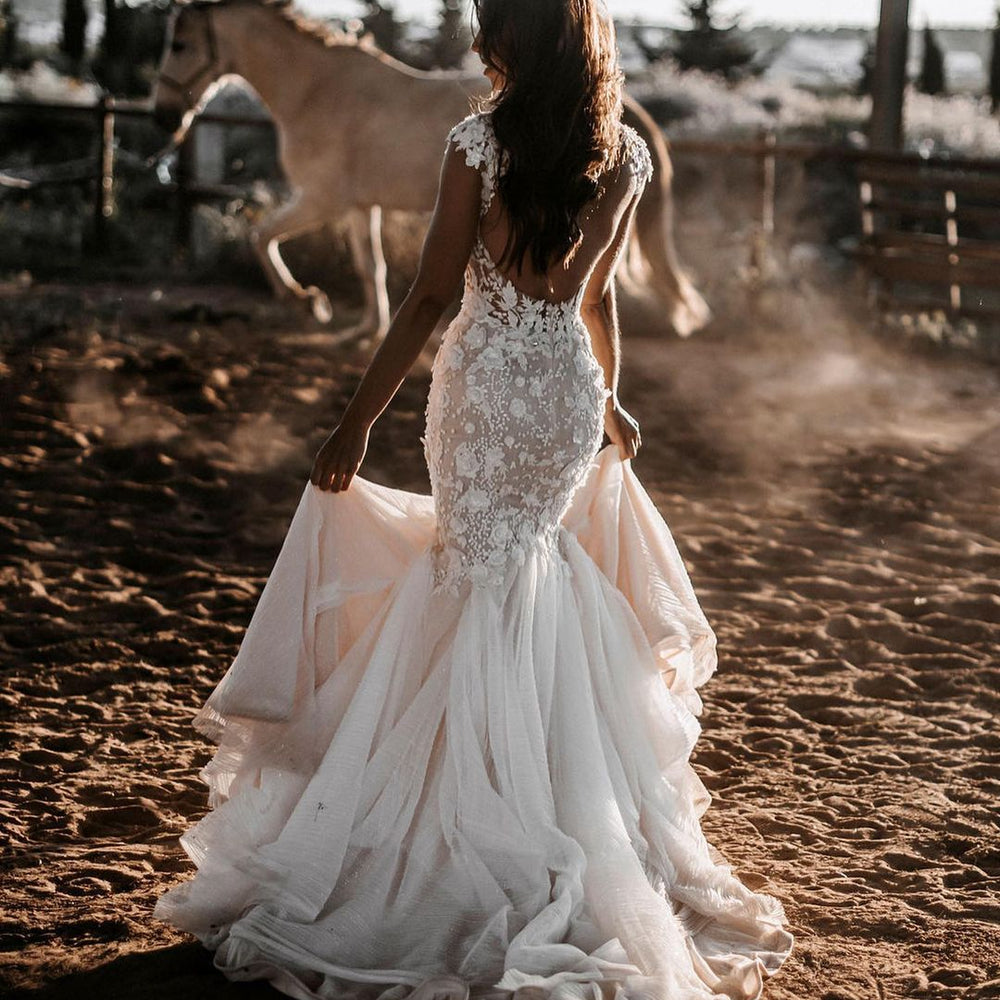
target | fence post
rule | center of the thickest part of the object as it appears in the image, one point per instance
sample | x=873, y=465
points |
x=186, y=174
x=951, y=234
x=764, y=229
x=104, y=195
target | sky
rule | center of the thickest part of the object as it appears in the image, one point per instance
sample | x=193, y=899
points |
x=864, y=13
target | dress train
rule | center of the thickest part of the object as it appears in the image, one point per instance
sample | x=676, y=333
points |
x=491, y=784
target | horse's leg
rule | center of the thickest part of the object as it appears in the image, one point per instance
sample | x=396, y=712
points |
x=365, y=236
x=381, y=271
x=291, y=218
x=632, y=273
x=654, y=240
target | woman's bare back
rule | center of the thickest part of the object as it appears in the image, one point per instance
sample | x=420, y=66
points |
x=599, y=222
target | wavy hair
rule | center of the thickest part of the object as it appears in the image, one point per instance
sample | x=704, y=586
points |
x=556, y=115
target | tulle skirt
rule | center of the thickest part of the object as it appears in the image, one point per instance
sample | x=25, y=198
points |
x=493, y=786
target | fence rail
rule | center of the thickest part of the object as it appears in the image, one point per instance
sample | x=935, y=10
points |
x=911, y=171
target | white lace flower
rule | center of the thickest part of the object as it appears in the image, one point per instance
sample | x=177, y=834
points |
x=493, y=459
x=474, y=337
x=508, y=296
x=470, y=136
x=501, y=533
x=476, y=499
x=491, y=358
x=497, y=558
x=517, y=351
x=533, y=312
x=517, y=407
x=466, y=463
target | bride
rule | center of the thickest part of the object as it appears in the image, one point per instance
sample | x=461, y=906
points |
x=453, y=749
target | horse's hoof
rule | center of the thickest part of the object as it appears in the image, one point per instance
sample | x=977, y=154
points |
x=319, y=302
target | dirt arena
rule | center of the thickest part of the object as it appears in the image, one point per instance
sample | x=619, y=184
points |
x=836, y=497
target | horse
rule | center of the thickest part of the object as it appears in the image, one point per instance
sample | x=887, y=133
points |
x=359, y=132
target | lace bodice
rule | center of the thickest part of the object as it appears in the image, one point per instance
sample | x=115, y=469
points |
x=475, y=137
x=516, y=408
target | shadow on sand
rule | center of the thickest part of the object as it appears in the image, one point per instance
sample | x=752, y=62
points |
x=180, y=972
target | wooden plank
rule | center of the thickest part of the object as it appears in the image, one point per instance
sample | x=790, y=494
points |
x=934, y=245
x=933, y=210
x=930, y=271
x=30, y=183
x=126, y=108
x=939, y=178
x=217, y=191
x=886, y=301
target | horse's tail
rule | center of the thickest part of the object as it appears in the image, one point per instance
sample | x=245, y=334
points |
x=652, y=254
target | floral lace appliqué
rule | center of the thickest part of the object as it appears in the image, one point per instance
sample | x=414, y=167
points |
x=474, y=136
x=636, y=154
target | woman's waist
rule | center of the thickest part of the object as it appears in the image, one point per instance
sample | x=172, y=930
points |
x=478, y=337
x=533, y=319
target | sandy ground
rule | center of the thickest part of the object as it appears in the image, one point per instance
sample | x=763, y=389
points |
x=836, y=498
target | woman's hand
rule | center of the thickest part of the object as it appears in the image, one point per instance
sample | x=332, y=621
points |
x=622, y=428
x=340, y=456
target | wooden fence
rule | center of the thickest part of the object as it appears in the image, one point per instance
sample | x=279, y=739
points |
x=956, y=270
x=894, y=189
x=99, y=172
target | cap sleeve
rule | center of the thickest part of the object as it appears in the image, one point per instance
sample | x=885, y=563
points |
x=474, y=137
x=637, y=154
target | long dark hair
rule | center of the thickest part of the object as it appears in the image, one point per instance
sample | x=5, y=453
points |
x=557, y=116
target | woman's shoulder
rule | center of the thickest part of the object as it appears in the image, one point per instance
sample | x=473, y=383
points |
x=473, y=135
x=635, y=153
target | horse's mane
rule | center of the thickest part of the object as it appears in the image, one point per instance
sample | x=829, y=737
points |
x=322, y=31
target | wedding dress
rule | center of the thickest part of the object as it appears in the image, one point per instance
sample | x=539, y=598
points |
x=455, y=740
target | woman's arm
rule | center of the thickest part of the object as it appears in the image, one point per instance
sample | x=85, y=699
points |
x=443, y=258
x=600, y=313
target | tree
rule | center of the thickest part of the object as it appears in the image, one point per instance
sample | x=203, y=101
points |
x=380, y=22
x=131, y=46
x=867, y=67
x=74, y=32
x=652, y=51
x=112, y=66
x=453, y=35
x=995, y=67
x=931, y=79
x=8, y=34
x=709, y=47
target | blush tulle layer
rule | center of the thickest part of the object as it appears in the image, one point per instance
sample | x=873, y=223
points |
x=493, y=786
